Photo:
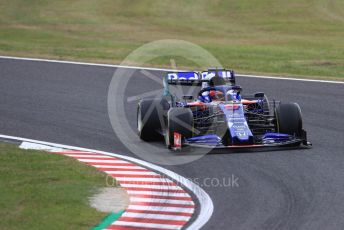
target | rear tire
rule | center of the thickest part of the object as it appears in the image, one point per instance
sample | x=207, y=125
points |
x=179, y=120
x=150, y=119
x=289, y=119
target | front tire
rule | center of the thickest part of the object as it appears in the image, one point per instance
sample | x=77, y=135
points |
x=150, y=119
x=179, y=120
x=289, y=119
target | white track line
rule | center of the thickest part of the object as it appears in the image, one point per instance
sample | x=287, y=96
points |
x=84, y=63
x=289, y=78
x=205, y=203
x=160, y=69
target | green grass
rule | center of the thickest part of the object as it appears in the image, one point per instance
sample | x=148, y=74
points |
x=46, y=191
x=278, y=37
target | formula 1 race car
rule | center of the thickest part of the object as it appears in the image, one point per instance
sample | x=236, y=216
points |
x=218, y=116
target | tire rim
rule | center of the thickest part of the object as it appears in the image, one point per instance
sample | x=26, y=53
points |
x=139, y=121
x=167, y=137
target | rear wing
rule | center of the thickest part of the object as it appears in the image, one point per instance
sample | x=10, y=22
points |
x=184, y=78
x=227, y=75
x=197, y=78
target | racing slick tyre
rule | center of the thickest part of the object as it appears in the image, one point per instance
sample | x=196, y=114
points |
x=179, y=120
x=289, y=119
x=150, y=119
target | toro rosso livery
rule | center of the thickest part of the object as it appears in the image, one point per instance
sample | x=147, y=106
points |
x=219, y=116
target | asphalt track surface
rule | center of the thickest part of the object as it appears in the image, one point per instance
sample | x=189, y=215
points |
x=288, y=189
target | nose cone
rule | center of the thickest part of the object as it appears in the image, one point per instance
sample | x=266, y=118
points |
x=239, y=131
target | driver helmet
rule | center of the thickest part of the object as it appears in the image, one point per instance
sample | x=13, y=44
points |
x=216, y=95
x=233, y=95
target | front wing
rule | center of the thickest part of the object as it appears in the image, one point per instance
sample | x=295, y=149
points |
x=214, y=142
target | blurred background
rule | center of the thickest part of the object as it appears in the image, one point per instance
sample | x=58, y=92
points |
x=276, y=37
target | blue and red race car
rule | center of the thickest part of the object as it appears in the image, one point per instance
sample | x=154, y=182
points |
x=218, y=116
